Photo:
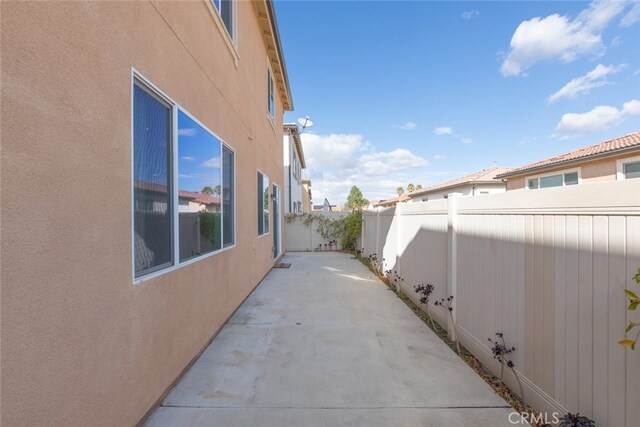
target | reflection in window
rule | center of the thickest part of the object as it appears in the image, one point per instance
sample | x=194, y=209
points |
x=199, y=189
x=632, y=170
x=263, y=204
x=152, y=196
x=226, y=11
x=271, y=106
x=228, y=171
x=557, y=180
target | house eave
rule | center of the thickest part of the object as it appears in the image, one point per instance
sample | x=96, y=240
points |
x=271, y=36
x=569, y=162
x=293, y=130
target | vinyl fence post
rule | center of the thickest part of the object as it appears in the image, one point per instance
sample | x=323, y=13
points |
x=452, y=263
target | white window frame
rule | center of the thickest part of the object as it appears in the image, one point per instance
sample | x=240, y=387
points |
x=560, y=172
x=175, y=209
x=620, y=166
x=262, y=216
x=271, y=95
x=230, y=39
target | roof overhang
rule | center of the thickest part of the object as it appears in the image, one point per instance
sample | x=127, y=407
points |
x=271, y=36
x=527, y=171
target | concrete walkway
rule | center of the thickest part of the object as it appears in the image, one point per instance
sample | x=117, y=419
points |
x=324, y=343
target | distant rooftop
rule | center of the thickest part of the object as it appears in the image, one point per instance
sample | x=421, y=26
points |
x=484, y=176
x=621, y=144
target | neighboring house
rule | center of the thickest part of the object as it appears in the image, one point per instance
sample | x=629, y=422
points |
x=307, y=200
x=614, y=159
x=135, y=107
x=372, y=204
x=403, y=198
x=293, y=165
x=326, y=207
x=475, y=184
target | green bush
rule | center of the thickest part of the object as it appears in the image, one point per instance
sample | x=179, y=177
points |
x=351, y=230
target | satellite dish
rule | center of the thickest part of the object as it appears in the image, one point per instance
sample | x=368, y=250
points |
x=305, y=122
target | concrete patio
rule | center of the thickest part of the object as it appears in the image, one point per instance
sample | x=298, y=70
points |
x=324, y=343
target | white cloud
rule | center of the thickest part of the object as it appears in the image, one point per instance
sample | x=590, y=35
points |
x=336, y=162
x=188, y=158
x=444, y=130
x=527, y=140
x=467, y=140
x=187, y=131
x=407, y=126
x=582, y=85
x=213, y=163
x=470, y=14
x=439, y=156
x=384, y=163
x=632, y=16
x=600, y=118
x=558, y=37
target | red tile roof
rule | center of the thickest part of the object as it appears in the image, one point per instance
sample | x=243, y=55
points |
x=621, y=144
x=393, y=201
x=485, y=176
x=203, y=199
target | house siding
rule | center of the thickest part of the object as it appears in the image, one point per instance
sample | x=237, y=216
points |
x=590, y=171
x=81, y=344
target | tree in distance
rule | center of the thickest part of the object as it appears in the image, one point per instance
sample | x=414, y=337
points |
x=355, y=200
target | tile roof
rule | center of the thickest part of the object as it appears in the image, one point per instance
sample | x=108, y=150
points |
x=393, y=201
x=613, y=146
x=484, y=176
x=203, y=199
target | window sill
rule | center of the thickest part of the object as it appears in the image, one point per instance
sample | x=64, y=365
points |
x=223, y=31
x=271, y=121
x=147, y=277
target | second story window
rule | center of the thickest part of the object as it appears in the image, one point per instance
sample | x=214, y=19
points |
x=226, y=10
x=271, y=108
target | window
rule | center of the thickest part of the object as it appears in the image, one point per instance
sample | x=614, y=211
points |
x=632, y=170
x=263, y=204
x=271, y=109
x=554, y=180
x=183, y=204
x=152, y=194
x=295, y=166
x=199, y=181
x=227, y=12
x=228, y=196
x=629, y=168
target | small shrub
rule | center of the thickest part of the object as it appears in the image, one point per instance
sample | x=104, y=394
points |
x=634, y=301
x=425, y=292
x=576, y=420
x=500, y=352
x=447, y=303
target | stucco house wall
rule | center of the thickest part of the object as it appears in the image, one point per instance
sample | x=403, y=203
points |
x=603, y=169
x=81, y=343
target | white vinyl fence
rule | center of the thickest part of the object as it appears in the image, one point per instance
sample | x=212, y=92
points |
x=547, y=268
x=300, y=237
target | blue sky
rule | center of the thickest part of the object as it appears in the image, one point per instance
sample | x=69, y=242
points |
x=198, y=156
x=425, y=91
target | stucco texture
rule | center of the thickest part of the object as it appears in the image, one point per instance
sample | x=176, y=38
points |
x=81, y=344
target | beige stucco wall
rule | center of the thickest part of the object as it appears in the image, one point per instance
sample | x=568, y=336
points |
x=81, y=344
x=594, y=171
